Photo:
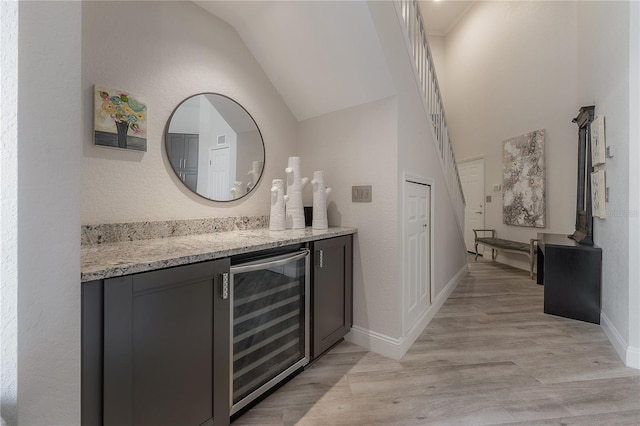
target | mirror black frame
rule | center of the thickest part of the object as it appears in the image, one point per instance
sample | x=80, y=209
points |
x=166, y=147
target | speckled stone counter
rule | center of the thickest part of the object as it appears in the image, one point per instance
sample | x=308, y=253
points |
x=102, y=261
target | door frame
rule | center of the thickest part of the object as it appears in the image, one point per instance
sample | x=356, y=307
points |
x=484, y=190
x=432, y=184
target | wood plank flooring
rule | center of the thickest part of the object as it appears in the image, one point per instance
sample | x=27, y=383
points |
x=490, y=356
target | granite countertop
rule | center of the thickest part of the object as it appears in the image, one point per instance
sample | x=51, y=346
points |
x=129, y=257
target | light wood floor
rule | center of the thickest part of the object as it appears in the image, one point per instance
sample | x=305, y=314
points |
x=490, y=356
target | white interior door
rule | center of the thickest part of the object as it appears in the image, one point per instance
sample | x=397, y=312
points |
x=472, y=178
x=416, y=252
x=219, y=164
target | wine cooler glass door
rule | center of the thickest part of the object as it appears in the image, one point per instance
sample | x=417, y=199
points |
x=270, y=323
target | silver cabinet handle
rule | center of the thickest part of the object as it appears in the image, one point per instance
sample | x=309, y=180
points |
x=225, y=286
x=320, y=258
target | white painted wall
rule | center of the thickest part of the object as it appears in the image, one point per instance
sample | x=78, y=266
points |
x=163, y=61
x=511, y=68
x=358, y=146
x=633, y=354
x=8, y=211
x=44, y=198
x=374, y=144
x=417, y=154
x=603, y=81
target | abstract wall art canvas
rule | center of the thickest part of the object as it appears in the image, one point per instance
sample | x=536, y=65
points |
x=523, y=197
x=120, y=119
x=598, y=194
x=598, y=142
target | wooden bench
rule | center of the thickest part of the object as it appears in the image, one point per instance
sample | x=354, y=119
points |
x=509, y=246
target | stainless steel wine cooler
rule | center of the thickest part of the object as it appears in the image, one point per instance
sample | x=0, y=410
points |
x=269, y=323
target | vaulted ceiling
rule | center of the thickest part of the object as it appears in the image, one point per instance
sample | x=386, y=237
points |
x=321, y=56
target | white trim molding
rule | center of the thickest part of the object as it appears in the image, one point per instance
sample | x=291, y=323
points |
x=628, y=354
x=396, y=348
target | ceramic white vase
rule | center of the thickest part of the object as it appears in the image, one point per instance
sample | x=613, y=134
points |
x=277, y=220
x=254, y=174
x=320, y=194
x=295, y=185
x=238, y=189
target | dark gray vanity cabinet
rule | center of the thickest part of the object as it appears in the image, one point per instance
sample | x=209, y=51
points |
x=183, y=153
x=332, y=283
x=156, y=348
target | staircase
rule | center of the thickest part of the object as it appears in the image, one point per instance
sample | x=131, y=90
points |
x=408, y=12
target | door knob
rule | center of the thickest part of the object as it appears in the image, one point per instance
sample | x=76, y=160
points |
x=478, y=212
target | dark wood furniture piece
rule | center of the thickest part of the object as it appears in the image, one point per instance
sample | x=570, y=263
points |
x=496, y=244
x=571, y=274
x=331, y=281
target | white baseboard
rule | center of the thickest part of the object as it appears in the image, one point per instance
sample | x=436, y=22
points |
x=628, y=354
x=374, y=342
x=633, y=358
x=396, y=348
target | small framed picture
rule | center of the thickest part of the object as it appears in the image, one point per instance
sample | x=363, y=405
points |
x=120, y=119
x=598, y=194
x=598, y=142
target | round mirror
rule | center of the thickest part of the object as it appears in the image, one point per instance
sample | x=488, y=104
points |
x=215, y=147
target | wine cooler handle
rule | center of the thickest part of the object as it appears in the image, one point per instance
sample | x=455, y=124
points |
x=269, y=263
x=320, y=258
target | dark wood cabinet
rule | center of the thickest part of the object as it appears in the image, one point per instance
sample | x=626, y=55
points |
x=165, y=348
x=571, y=274
x=332, y=289
x=183, y=154
x=156, y=345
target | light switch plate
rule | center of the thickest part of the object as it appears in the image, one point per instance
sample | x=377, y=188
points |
x=497, y=187
x=488, y=198
x=361, y=194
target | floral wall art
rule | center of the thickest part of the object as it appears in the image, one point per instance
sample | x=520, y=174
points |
x=523, y=198
x=120, y=119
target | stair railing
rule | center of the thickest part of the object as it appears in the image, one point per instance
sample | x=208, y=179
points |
x=416, y=37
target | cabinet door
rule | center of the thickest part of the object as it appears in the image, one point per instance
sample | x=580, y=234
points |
x=332, y=291
x=176, y=149
x=166, y=347
x=191, y=152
